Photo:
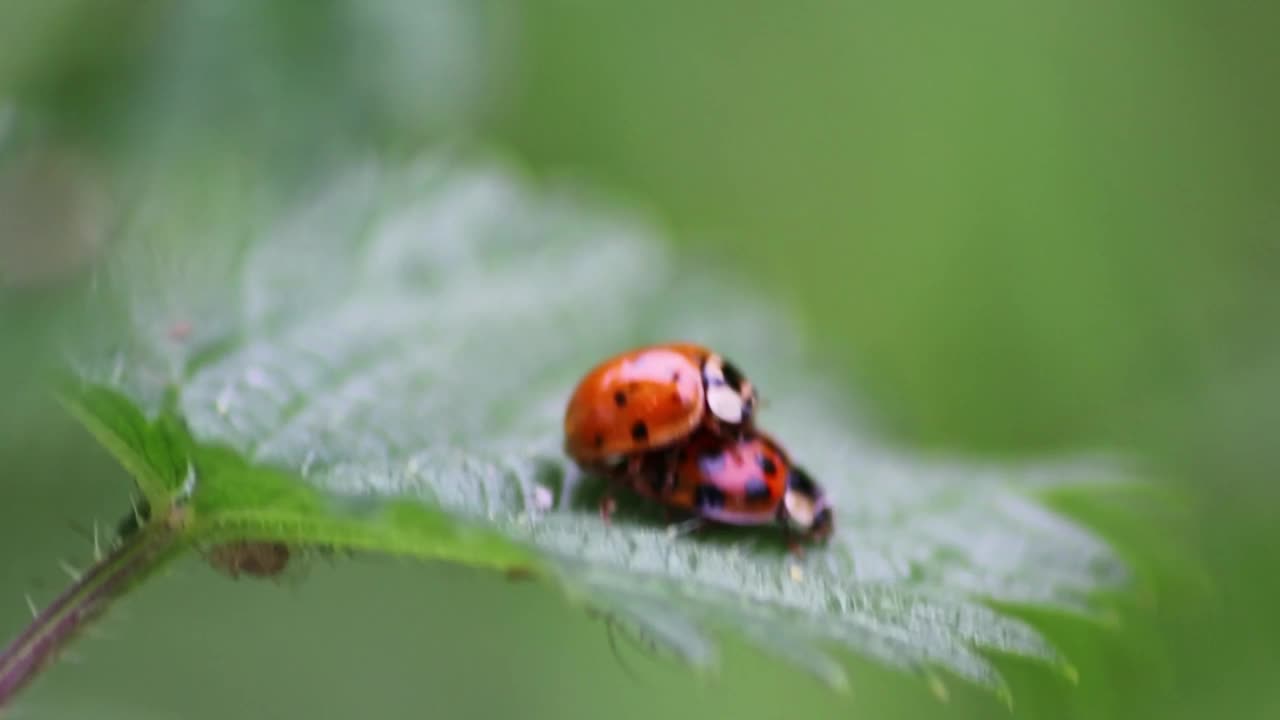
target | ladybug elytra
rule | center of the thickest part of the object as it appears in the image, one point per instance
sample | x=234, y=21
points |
x=651, y=398
x=743, y=481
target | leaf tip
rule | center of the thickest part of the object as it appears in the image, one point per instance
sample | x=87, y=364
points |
x=839, y=682
x=1005, y=696
x=938, y=688
x=1110, y=618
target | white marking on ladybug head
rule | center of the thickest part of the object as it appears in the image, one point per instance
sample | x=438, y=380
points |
x=801, y=509
x=713, y=370
x=725, y=403
x=614, y=461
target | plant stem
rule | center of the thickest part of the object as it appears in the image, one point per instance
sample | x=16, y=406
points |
x=85, y=600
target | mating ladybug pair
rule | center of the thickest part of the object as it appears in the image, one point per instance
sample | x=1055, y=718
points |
x=675, y=423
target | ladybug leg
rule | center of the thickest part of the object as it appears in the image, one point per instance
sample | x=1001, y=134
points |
x=668, y=470
x=677, y=523
x=608, y=506
x=794, y=544
x=686, y=527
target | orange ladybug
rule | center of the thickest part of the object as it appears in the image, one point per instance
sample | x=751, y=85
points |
x=652, y=398
x=744, y=481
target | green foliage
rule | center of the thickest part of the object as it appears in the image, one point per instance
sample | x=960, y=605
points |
x=141, y=81
x=384, y=368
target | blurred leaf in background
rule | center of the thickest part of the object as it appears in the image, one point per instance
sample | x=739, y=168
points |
x=145, y=80
x=214, y=104
x=1014, y=228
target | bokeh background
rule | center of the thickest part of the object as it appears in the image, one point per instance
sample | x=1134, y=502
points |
x=1017, y=229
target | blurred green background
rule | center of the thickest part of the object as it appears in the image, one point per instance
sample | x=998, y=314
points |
x=1018, y=229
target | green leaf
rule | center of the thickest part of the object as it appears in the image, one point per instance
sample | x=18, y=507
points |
x=384, y=367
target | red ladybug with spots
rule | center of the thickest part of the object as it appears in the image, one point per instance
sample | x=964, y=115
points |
x=675, y=423
x=652, y=398
x=744, y=481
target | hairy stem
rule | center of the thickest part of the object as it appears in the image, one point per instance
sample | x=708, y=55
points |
x=58, y=624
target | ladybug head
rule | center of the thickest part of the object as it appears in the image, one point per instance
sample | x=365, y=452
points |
x=730, y=395
x=805, y=509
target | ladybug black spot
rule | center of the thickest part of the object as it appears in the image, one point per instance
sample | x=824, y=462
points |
x=800, y=481
x=620, y=399
x=708, y=496
x=769, y=467
x=757, y=491
x=732, y=375
x=639, y=431
x=711, y=462
x=599, y=440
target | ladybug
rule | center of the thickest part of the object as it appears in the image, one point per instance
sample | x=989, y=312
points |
x=744, y=481
x=652, y=398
